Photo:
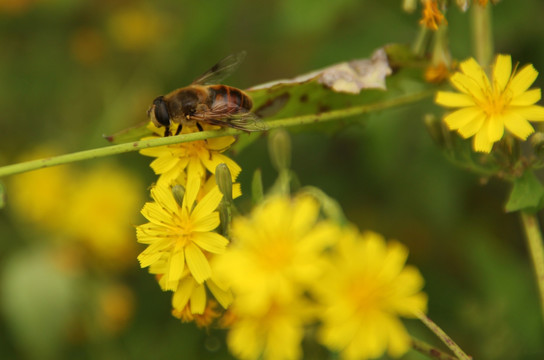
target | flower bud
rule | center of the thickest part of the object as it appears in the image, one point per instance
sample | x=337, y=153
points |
x=537, y=142
x=223, y=179
x=434, y=127
x=279, y=147
x=178, y=191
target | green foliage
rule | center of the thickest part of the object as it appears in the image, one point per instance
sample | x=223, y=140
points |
x=527, y=194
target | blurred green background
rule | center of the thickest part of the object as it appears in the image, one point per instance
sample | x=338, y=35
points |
x=73, y=70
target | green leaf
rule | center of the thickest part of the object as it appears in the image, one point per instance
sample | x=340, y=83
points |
x=527, y=194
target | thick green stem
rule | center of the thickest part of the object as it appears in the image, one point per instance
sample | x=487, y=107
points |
x=430, y=351
x=536, y=248
x=443, y=336
x=482, y=35
x=142, y=144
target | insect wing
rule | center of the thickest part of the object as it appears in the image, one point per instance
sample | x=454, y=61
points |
x=219, y=115
x=221, y=70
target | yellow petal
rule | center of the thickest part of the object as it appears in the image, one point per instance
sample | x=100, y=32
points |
x=191, y=191
x=198, y=300
x=163, y=164
x=451, y=99
x=176, y=266
x=474, y=71
x=206, y=223
x=518, y=125
x=481, y=142
x=502, y=71
x=526, y=98
x=224, y=297
x=211, y=242
x=208, y=204
x=215, y=159
x=183, y=293
x=462, y=117
x=472, y=127
x=163, y=196
x=468, y=86
x=221, y=143
x=531, y=113
x=495, y=128
x=523, y=80
x=156, y=214
x=197, y=263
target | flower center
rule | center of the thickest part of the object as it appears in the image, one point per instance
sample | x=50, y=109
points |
x=277, y=254
x=365, y=293
x=496, y=102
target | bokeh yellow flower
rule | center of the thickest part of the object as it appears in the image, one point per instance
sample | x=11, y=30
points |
x=181, y=235
x=365, y=291
x=41, y=197
x=485, y=108
x=196, y=157
x=275, y=334
x=102, y=215
x=277, y=252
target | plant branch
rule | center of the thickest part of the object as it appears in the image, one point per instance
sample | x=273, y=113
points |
x=443, y=336
x=536, y=248
x=161, y=141
x=430, y=351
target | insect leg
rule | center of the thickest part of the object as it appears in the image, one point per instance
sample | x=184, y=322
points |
x=178, y=131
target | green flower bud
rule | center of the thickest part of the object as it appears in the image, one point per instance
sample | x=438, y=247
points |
x=178, y=191
x=223, y=179
x=279, y=147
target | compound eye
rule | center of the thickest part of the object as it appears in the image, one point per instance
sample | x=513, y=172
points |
x=161, y=112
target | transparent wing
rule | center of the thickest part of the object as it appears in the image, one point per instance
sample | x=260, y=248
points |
x=221, y=70
x=246, y=121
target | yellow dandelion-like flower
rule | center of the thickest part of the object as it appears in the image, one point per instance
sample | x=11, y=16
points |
x=275, y=334
x=486, y=107
x=432, y=17
x=365, y=291
x=181, y=235
x=196, y=156
x=277, y=252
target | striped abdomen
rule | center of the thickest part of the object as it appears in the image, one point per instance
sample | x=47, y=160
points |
x=232, y=99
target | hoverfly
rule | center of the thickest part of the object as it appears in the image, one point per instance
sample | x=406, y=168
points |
x=206, y=102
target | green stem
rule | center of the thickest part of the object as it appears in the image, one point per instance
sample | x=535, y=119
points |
x=482, y=36
x=142, y=144
x=430, y=351
x=534, y=241
x=443, y=336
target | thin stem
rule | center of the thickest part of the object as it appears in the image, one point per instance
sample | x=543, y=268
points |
x=430, y=351
x=443, y=336
x=482, y=35
x=534, y=241
x=142, y=144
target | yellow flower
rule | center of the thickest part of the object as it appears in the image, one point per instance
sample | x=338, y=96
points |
x=196, y=157
x=102, y=211
x=365, y=291
x=41, y=196
x=432, y=17
x=275, y=334
x=277, y=252
x=181, y=235
x=486, y=107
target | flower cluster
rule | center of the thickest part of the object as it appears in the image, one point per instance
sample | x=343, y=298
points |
x=290, y=269
x=183, y=219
